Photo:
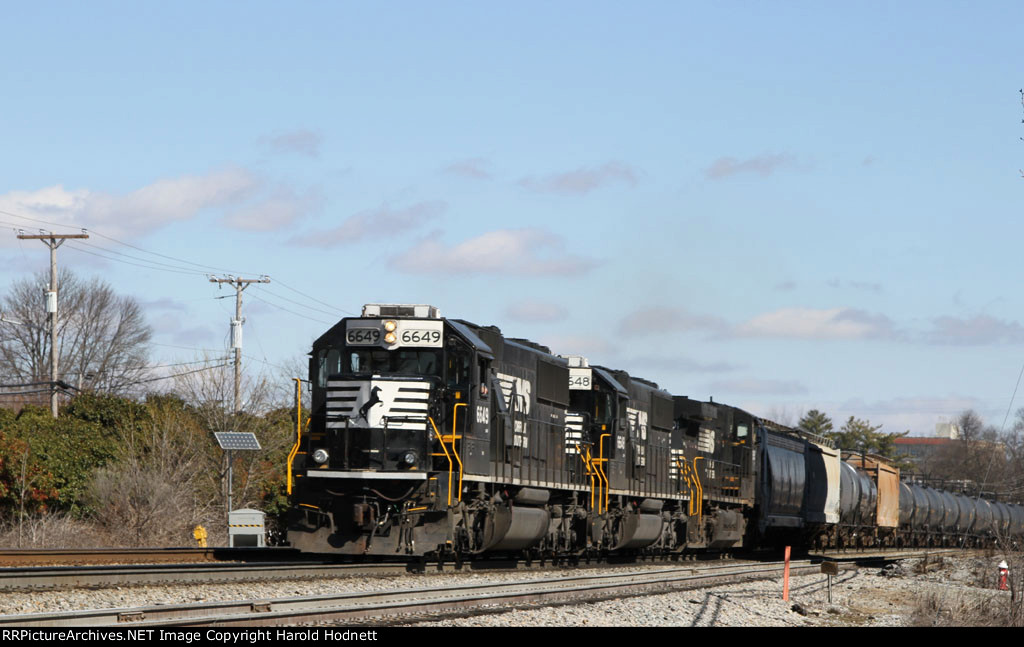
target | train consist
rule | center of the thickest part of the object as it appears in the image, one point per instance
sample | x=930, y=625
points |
x=436, y=436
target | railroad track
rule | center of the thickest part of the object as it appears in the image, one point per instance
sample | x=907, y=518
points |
x=82, y=556
x=384, y=607
x=297, y=566
x=397, y=606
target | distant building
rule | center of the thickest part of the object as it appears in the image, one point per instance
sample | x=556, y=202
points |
x=947, y=430
x=923, y=451
x=926, y=451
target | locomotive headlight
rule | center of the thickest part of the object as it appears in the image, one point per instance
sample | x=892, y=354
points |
x=390, y=326
x=390, y=337
x=409, y=458
x=320, y=456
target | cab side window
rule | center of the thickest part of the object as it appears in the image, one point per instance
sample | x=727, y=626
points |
x=458, y=365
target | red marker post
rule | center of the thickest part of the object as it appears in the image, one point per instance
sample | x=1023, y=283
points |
x=785, y=578
x=1004, y=570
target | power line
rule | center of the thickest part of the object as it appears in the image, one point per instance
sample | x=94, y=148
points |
x=149, y=267
x=177, y=268
x=298, y=303
x=173, y=375
x=206, y=350
x=302, y=316
x=119, y=242
x=285, y=285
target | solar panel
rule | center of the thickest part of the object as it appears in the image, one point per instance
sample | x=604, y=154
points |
x=236, y=440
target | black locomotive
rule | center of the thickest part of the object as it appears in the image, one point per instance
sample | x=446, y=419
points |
x=438, y=436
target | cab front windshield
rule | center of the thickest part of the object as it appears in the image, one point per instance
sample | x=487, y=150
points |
x=367, y=361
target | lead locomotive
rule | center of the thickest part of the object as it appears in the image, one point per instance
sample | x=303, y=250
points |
x=438, y=436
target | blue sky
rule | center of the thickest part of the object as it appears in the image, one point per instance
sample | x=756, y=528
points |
x=785, y=206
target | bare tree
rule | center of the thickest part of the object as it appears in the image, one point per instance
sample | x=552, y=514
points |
x=102, y=337
x=265, y=413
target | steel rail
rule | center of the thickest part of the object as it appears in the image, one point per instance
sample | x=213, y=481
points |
x=384, y=606
x=66, y=577
x=68, y=556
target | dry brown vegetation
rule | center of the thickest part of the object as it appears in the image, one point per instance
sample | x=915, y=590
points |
x=55, y=530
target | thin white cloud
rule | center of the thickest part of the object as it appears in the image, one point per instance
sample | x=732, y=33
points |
x=918, y=414
x=976, y=331
x=787, y=323
x=808, y=323
x=581, y=181
x=139, y=212
x=162, y=303
x=384, y=221
x=275, y=211
x=755, y=386
x=474, y=168
x=663, y=319
x=856, y=285
x=298, y=142
x=763, y=165
x=682, y=364
x=536, y=311
x=592, y=347
x=532, y=252
x=173, y=328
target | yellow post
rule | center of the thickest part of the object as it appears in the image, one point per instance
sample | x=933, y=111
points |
x=200, y=535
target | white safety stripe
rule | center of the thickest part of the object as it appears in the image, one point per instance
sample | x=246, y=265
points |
x=388, y=400
x=573, y=433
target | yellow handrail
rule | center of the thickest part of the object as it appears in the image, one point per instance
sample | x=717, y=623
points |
x=700, y=489
x=590, y=471
x=455, y=415
x=600, y=467
x=440, y=439
x=298, y=429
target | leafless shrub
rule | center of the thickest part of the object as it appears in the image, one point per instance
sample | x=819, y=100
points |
x=970, y=608
x=153, y=495
x=54, y=530
x=211, y=394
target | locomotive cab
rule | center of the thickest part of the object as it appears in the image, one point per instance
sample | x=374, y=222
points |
x=388, y=386
x=595, y=402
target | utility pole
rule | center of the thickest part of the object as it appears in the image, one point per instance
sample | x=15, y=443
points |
x=53, y=241
x=236, y=326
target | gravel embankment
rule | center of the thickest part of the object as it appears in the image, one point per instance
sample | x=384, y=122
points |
x=868, y=597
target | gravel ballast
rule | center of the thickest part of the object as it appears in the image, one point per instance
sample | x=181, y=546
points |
x=865, y=597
